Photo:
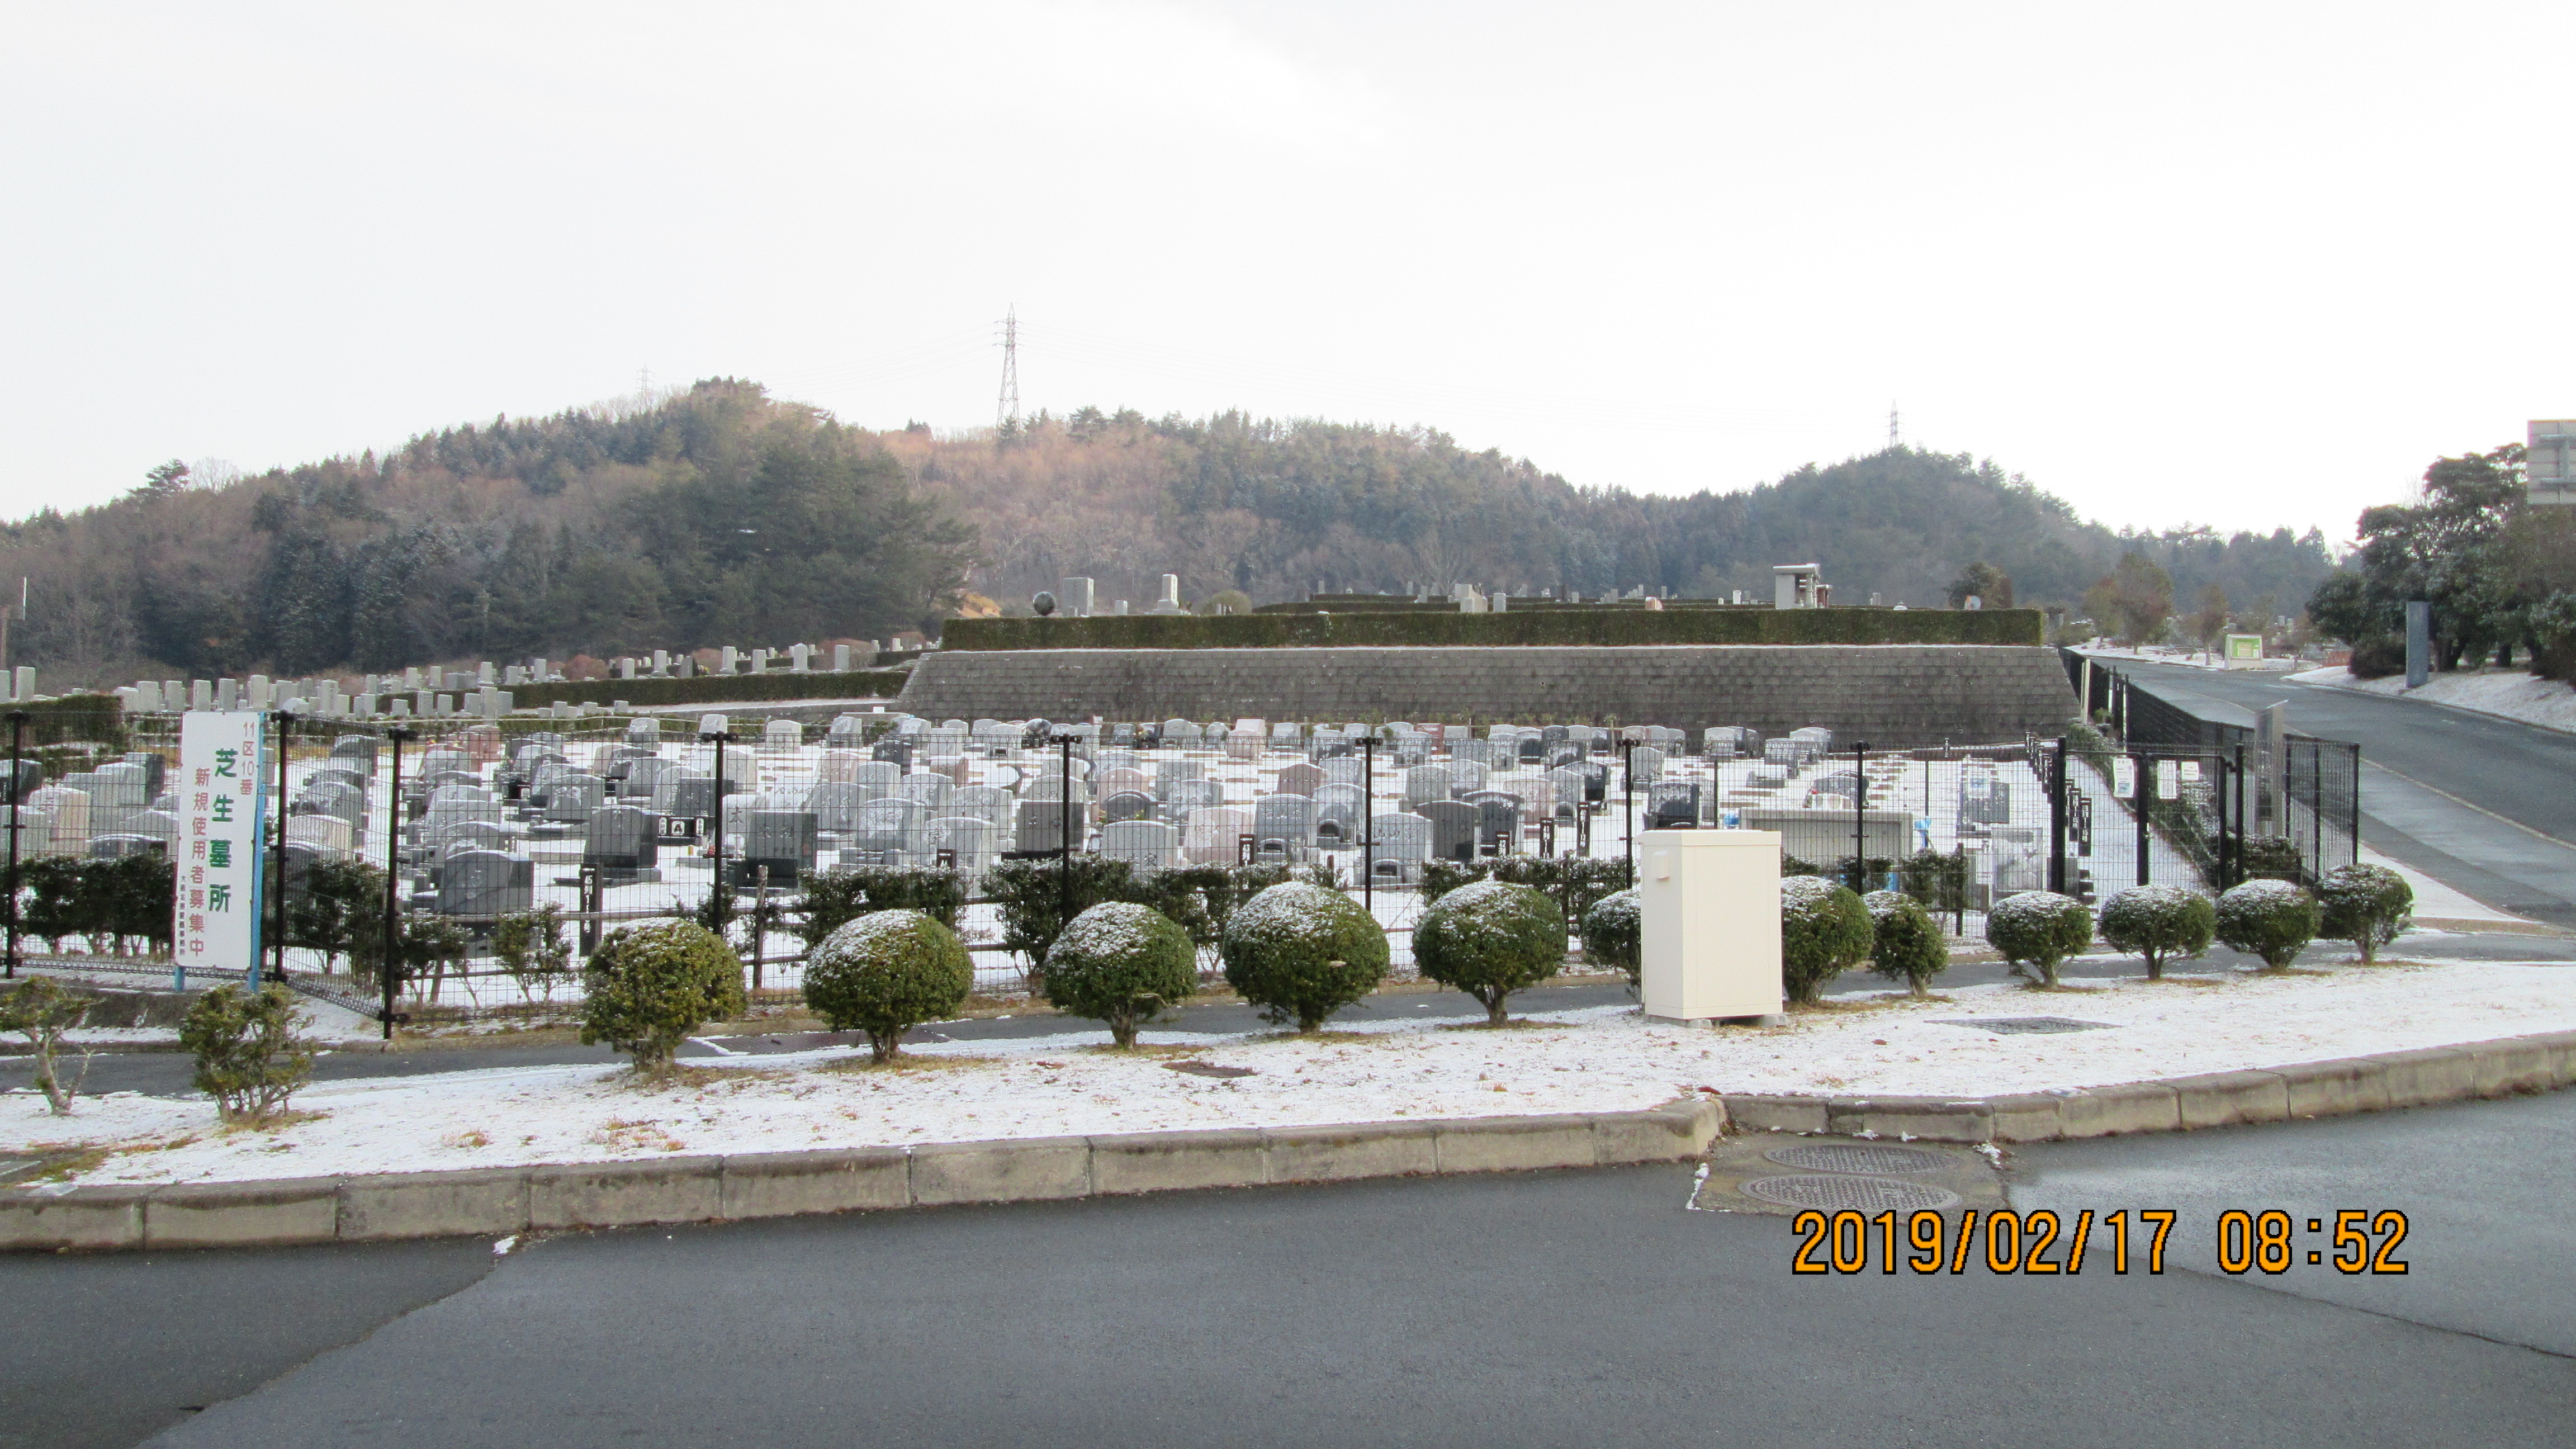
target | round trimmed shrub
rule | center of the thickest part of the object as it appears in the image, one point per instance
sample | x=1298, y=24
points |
x=1824, y=929
x=1301, y=953
x=2272, y=919
x=1613, y=933
x=886, y=973
x=2159, y=922
x=2039, y=929
x=648, y=987
x=2368, y=905
x=1906, y=944
x=1489, y=940
x=1122, y=964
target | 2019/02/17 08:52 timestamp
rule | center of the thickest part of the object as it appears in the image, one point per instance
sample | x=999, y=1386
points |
x=2041, y=1243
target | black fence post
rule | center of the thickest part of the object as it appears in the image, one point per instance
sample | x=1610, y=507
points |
x=1368, y=824
x=2057, y=820
x=2142, y=781
x=285, y=745
x=1860, y=818
x=17, y=804
x=388, y=970
x=1628, y=803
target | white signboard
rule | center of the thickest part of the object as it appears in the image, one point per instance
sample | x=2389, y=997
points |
x=2124, y=777
x=217, y=905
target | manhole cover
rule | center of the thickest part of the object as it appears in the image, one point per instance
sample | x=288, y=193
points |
x=1856, y=1194
x=2015, y=1025
x=1206, y=1069
x=1828, y=1157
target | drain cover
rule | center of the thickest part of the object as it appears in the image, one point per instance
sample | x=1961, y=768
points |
x=1829, y=1157
x=2014, y=1025
x=1858, y=1194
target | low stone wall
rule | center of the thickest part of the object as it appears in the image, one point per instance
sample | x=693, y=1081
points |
x=1893, y=695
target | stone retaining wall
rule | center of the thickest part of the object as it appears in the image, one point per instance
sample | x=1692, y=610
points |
x=1893, y=695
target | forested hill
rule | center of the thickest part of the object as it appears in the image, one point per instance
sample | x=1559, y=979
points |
x=1274, y=508
x=718, y=515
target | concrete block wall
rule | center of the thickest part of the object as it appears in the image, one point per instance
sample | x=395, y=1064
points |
x=1893, y=695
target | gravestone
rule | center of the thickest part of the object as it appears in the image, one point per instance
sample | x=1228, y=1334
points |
x=1401, y=843
x=781, y=840
x=1498, y=821
x=1453, y=828
x=1300, y=780
x=1339, y=810
x=1284, y=826
x=624, y=843
x=1127, y=805
x=889, y=832
x=1212, y=834
x=969, y=841
x=485, y=883
x=1146, y=845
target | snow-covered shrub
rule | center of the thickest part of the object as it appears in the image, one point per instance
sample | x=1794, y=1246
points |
x=250, y=1057
x=2272, y=919
x=649, y=987
x=2159, y=922
x=1823, y=930
x=39, y=1009
x=1906, y=944
x=2368, y=905
x=1613, y=933
x=1123, y=964
x=886, y=973
x=1301, y=953
x=1489, y=940
x=2267, y=857
x=2039, y=929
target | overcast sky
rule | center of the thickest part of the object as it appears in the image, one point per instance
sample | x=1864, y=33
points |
x=2238, y=264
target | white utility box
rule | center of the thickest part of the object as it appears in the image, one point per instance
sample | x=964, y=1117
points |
x=1708, y=907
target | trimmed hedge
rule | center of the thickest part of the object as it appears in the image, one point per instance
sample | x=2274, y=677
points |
x=1122, y=964
x=1614, y=933
x=1824, y=929
x=885, y=973
x=1907, y=943
x=72, y=719
x=2158, y=923
x=2368, y=905
x=649, y=987
x=1490, y=939
x=2272, y=919
x=1609, y=627
x=1301, y=953
x=716, y=688
x=2039, y=928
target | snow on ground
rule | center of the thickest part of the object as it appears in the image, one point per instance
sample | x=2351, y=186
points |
x=1597, y=1060
x=2505, y=693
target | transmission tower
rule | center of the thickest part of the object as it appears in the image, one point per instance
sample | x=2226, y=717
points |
x=1006, y=411
x=1892, y=435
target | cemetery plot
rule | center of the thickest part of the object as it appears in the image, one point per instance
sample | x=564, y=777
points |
x=629, y=822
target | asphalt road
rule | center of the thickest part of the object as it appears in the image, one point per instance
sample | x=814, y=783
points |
x=2484, y=805
x=1546, y=1309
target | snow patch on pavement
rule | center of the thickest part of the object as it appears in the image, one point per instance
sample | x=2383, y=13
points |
x=1601, y=1059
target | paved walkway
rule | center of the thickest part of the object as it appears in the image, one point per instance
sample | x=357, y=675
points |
x=2485, y=805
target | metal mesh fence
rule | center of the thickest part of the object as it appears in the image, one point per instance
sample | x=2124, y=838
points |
x=625, y=822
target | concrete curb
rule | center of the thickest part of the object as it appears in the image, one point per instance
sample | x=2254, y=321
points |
x=499, y=1202
x=2502, y=1068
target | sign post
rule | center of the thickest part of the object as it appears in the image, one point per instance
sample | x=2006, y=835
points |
x=216, y=908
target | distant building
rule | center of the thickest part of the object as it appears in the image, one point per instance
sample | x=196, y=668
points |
x=2550, y=464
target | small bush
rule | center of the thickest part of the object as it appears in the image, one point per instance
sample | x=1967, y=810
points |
x=2039, y=929
x=649, y=987
x=1824, y=929
x=886, y=973
x=1302, y=953
x=2267, y=858
x=2368, y=905
x=2272, y=919
x=1123, y=964
x=2160, y=923
x=250, y=1058
x=1614, y=933
x=1906, y=944
x=39, y=1009
x=1489, y=940
x=531, y=946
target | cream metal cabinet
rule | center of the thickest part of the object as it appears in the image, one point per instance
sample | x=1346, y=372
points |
x=1708, y=905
